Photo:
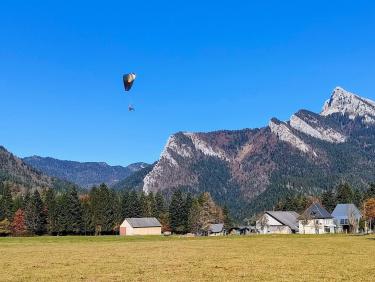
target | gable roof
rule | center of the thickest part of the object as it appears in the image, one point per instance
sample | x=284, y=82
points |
x=143, y=222
x=315, y=211
x=288, y=218
x=216, y=228
x=344, y=210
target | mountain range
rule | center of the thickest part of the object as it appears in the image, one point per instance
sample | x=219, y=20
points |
x=251, y=169
x=84, y=174
x=21, y=177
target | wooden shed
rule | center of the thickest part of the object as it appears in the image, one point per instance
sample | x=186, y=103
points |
x=140, y=226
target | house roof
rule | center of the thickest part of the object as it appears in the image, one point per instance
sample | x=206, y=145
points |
x=143, y=222
x=288, y=218
x=217, y=228
x=344, y=210
x=315, y=211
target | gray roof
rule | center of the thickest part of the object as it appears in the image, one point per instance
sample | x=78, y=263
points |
x=143, y=222
x=288, y=218
x=217, y=228
x=315, y=211
x=343, y=211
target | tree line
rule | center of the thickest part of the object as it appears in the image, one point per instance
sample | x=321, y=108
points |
x=101, y=211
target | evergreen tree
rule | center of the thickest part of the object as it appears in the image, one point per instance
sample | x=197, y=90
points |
x=62, y=212
x=187, y=209
x=344, y=194
x=125, y=205
x=135, y=206
x=18, y=203
x=370, y=193
x=34, y=215
x=50, y=209
x=177, y=212
x=104, y=209
x=329, y=200
x=357, y=197
x=74, y=211
x=152, y=205
x=88, y=227
x=145, y=207
x=160, y=204
x=228, y=221
x=6, y=204
x=194, y=217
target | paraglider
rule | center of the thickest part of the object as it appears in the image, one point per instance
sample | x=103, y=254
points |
x=128, y=80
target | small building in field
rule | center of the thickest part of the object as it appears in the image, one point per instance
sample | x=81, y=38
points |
x=278, y=222
x=347, y=217
x=316, y=220
x=216, y=229
x=140, y=226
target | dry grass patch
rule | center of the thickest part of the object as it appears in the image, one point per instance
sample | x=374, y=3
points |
x=266, y=258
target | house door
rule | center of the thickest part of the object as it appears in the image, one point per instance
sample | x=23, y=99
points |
x=122, y=231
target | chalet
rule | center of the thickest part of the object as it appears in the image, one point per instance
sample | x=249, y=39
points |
x=216, y=229
x=278, y=222
x=140, y=226
x=316, y=220
x=347, y=217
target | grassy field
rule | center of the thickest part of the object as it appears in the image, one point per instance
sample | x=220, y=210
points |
x=267, y=258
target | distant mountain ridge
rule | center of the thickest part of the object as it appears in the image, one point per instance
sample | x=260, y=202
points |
x=22, y=177
x=84, y=174
x=251, y=169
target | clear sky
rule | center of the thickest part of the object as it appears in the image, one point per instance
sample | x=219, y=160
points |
x=201, y=66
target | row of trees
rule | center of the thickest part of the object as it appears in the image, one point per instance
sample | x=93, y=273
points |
x=102, y=210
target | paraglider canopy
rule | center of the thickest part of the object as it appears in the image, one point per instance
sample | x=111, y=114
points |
x=128, y=80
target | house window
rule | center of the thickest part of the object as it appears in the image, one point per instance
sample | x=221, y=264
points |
x=327, y=230
x=344, y=221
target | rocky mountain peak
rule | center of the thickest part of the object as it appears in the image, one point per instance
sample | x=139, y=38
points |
x=345, y=102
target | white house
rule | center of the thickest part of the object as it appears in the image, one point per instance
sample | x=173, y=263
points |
x=316, y=220
x=278, y=222
x=140, y=226
x=347, y=217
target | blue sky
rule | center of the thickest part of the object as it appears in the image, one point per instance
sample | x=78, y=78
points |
x=201, y=65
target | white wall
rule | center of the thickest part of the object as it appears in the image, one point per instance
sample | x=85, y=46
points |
x=317, y=226
x=272, y=226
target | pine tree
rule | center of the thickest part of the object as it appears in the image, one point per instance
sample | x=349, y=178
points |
x=228, y=221
x=145, y=207
x=104, y=209
x=74, y=211
x=135, y=206
x=18, y=225
x=6, y=204
x=125, y=205
x=329, y=200
x=177, y=212
x=50, y=209
x=88, y=227
x=152, y=205
x=194, y=217
x=344, y=194
x=160, y=204
x=187, y=209
x=34, y=215
x=370, y=193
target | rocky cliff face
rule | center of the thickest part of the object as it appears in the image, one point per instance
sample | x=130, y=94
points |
x=254, y=167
